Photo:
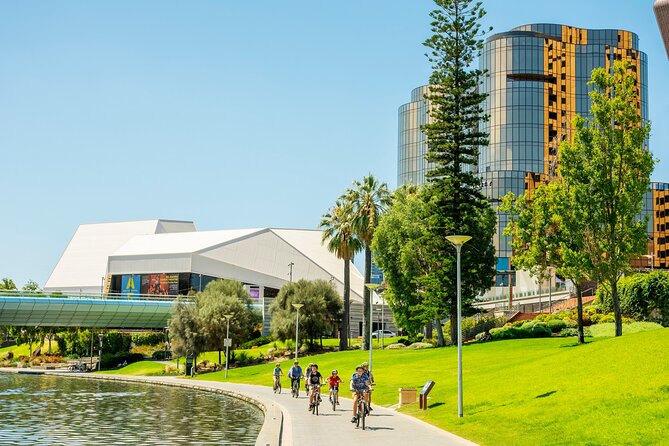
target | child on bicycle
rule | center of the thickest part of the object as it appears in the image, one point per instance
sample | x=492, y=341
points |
x=334, y=381
x=307, y=373
x=277, y=373
x=359, y=386
x=315, y=380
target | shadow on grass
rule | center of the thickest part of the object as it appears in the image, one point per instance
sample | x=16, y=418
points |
x=575, y=344
x=488, y=408
x=435, y=405
x=544, y=395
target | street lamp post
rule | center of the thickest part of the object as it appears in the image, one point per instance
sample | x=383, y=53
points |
x=297, y=326
x=371, y=287
x=458, y=241
x=100, y=335
x=227, y=343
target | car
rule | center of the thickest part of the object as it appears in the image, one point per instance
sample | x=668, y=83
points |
x=386, y=334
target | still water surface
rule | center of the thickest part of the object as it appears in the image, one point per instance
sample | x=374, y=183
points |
x=54, y=410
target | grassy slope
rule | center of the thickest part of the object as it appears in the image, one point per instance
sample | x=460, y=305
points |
x=531, y=391
x=142, y=368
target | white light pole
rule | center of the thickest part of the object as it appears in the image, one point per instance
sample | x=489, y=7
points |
x=458, y=241
x=371, y=287
x=100, y=335
x=297, y=326
x=227, y=343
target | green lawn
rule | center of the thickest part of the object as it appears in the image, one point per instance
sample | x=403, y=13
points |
x=530, y=391
x=141, y=368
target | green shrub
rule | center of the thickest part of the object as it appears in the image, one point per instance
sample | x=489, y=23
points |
x=116, y=342
x=404, y=341
x=556, y=325
x=568, y=332
x=396, y=346
x=242, y=358
x=509, y=332
x=161, y=355
x=540, y=330
x=257, y=342
x=148, y=338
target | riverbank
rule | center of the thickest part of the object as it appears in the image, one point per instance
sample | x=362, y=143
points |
x=288, y=423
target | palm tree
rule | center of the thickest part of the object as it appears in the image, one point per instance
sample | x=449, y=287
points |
x=342, y=240
x=370, y=199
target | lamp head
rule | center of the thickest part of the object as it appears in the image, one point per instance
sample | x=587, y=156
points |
x=458, y=240
x=298, y=306
x=372, y=286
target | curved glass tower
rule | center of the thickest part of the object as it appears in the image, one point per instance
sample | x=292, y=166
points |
x=537, y=82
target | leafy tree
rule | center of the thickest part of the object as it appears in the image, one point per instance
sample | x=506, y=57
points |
x=400, y=254
x=186, y=331
x=7, y=284
x=321, y=312
x=453, y=194
x=339, y=233
x=607, y=168
x=29, y=335
x=219, y=298
x=642, y=297
x=31, y=286
x=370, y=199
x=548, y=230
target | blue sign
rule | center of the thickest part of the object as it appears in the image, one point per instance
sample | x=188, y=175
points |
x=130, y=284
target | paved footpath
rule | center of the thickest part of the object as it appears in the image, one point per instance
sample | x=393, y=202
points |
x=385, y=427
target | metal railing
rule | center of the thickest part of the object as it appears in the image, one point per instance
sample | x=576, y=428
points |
x=107, y=296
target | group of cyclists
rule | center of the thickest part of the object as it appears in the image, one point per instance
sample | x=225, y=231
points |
x=360, y=383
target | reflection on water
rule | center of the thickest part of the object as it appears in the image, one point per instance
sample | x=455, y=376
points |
x=54, y=410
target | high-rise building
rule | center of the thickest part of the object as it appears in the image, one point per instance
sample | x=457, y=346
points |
x=661, y=8
x=537, y=82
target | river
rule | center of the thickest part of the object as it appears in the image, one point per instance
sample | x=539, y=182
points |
x=54, y=410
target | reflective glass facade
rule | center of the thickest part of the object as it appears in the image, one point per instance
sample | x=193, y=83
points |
x=661, y=8
x=537, y=82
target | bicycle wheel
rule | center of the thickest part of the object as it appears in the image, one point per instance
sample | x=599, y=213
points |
x=316, y=404
x=278, y=388
x=363, y=415
x=357, y=422
x=333, y=400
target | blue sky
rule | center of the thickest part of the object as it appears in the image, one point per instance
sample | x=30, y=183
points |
x=232, y=114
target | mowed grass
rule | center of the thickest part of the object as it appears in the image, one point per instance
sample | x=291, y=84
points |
x=141, y=368
x=531, y=391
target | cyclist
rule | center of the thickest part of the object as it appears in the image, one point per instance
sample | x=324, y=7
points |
x=277, y=373
x=370, y=378
x=295, y=373
x=359, y=386
x=315, y=380
x=307, y=373
x=334, y=381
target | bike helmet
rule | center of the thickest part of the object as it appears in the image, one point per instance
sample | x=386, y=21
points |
x=334, y=371
x=315, y=365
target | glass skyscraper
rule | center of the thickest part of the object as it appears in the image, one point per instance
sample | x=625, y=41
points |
x=537, y=82
x=661, y=8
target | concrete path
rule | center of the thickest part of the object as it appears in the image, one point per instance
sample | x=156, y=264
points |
x=283, y=413
x=385, y=427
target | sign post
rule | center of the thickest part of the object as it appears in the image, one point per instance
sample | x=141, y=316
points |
x=422, y=398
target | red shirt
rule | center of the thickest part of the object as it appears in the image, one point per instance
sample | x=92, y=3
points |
x=334, y=380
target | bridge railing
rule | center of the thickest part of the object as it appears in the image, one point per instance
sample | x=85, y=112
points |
x=107, y=296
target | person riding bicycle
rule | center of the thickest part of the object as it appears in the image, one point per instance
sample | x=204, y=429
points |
x=307, y=373
x=359, y=386
x=370, y=378
x=277, y=374
x=315, y=380
x=334, y=381
x=295, y=373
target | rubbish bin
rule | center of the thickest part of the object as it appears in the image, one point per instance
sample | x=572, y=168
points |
x=189, y=365
x=407, y=395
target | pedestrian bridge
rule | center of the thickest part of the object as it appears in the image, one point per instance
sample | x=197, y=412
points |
x=19, y=308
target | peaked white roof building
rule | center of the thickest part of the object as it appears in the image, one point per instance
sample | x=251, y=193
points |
x=110, y=256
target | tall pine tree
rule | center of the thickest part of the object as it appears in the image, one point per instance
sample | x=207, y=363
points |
x=454, y=137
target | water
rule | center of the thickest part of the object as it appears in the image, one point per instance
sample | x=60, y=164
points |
x=53, y=410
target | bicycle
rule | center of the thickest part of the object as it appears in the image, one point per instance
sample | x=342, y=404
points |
x=316, y=399
x=295, y=387
x=277, y=384
x=334, y=398
x=362, y=410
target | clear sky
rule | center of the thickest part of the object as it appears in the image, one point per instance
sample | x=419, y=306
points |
x=229, y=113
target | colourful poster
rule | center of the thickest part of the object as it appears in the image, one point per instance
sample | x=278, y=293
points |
x=130, y=284
x=160, y=284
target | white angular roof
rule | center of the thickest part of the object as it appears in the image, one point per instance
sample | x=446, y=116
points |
x=84, y=262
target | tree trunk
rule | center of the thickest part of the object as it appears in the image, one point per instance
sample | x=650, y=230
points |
x=616, y=307
x=428, y=331
x=454, y=327
x=579, y=306
x=367, y=293
x=440, y=333
x=344, y=333
x=219, y=357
